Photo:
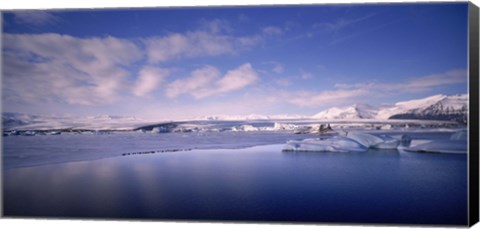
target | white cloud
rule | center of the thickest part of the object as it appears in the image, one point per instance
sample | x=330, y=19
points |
x=198, y=84
x=149, y=79
x=237, y=78
x=66, y=69
x=35, y=17
x=207, y=81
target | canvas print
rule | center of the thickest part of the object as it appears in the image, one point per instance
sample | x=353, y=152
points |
x=304, y=113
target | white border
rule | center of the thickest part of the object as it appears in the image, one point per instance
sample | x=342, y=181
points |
x=88, y=4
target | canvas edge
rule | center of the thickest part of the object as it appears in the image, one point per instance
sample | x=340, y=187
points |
x=473, y=155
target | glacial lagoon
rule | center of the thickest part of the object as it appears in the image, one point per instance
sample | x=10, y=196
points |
x=221, y=178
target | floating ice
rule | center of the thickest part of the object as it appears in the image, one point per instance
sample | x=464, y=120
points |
x=456, y=144
x=348, y=142
x=244, y=128
x=283, y=126
x=332, y=144
x=376, y=142
x=446, y=146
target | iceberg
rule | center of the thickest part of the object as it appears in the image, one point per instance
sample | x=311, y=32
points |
x=448, y=146
x=348, y=142
x=244, y=128
x=332, y=144
x=376, y=142
x=283, y=126
x=457, y=144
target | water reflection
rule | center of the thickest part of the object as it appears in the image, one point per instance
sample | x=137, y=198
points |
x=259, y=183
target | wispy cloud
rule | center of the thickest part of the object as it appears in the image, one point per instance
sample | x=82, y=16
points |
x=306, y=75
x=276, y=66
x=92, y=71
x=365, y=31
x=283, y=82
x=350, y=93
x=149, y=79
x=341, y=23
x=198, y=84
x=417, y=84
x=207, y=81
x=65, y=69
x=35, y=17
x=272, y=30
x=212, y=39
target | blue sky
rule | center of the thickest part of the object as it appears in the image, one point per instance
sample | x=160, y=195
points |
x=189, y=62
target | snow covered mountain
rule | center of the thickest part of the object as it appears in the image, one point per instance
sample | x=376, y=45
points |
x=436, y=107
x=439, y=107
x=357, y=111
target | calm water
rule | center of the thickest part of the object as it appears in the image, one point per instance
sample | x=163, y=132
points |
x=253, y=184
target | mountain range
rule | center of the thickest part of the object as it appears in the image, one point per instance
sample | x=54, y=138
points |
x=437, y=107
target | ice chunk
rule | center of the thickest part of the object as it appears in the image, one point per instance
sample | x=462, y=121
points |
x=372, y=141
x=388, y=143
x=446, y=146
x=332, y=144
x=364, y=139
x=386, y=127
x=283, y=126
x=244, y=128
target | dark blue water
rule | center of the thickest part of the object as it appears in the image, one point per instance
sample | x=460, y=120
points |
x=254, y=184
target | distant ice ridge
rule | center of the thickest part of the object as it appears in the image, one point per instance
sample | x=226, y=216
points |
x=251, y=117
x=19, y=121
